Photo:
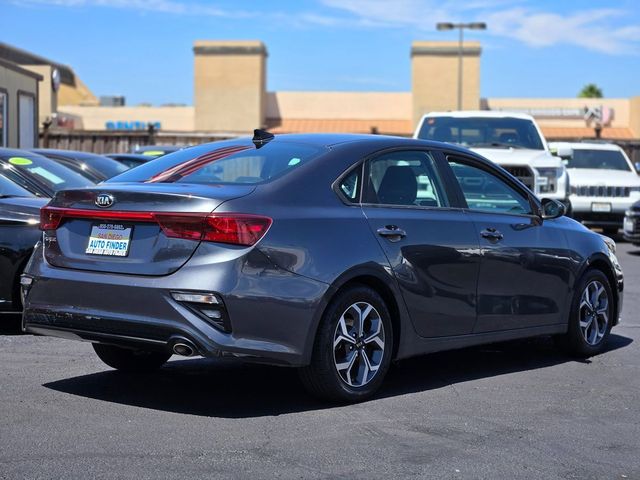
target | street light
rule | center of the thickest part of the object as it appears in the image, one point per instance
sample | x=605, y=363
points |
x=461, y=26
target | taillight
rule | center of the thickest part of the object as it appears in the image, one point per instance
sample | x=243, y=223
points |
x=232, y=228
x=237, y=229
x=181, y=226
x=49, y=218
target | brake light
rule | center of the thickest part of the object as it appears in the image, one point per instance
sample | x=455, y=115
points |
x=236, y=229
x=49, y=218
x=232, y=228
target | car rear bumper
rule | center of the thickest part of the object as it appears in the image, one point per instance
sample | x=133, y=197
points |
x=271, y=313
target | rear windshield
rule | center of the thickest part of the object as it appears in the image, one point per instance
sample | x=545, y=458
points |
x=482, y=132
x=45, y=172
x=105, y=165
x=212, y=164
x=599, y=159
x=10, y=189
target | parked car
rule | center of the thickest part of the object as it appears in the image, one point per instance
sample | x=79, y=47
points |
x=37, y=173
x=130, y=160
x=19, y=232
x=512, y=140
x=603, y=181
x=332, y=253
x=631, y=224
x=156, y=150
x=96, y=168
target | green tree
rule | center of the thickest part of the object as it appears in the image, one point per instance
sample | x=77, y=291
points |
x=591, y=90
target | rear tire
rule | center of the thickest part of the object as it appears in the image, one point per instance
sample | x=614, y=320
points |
x=128, y=360
x=591, y=317
x=352, y=349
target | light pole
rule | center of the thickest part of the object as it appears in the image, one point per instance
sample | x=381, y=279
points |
x=461, y=27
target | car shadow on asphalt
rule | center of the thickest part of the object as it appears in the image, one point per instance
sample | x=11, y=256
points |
x=11, y=324
x=215, y=388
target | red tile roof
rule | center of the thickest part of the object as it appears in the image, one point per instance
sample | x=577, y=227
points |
x=312, y=125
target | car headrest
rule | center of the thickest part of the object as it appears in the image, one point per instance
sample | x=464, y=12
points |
x=399, y=186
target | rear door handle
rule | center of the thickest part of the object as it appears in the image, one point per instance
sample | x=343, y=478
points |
x=491, y=234
x=392, y=233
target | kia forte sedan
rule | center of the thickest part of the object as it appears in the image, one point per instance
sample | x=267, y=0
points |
x=332, y=253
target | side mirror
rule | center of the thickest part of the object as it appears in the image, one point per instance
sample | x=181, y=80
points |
x=552, y=209
x=563, y=151
x=637, y=165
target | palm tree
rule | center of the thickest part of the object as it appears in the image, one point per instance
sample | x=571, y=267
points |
x=591, y=90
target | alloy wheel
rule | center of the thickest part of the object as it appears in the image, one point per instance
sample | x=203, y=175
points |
x=594, y=312
x=359, y=344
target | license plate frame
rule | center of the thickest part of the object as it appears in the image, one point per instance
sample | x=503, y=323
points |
x=601, y=207
x=109, y=240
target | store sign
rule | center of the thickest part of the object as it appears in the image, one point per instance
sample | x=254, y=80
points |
x=600, y=113
x=131, y=125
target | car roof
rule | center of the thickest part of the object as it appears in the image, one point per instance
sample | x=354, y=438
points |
x=128, y=155
x=330, y=140
x=6, y=153
x=146, y=148
x=480, y=114
x=587, y=145
x=66, y=153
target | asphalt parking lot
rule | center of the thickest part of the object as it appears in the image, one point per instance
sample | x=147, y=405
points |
x=511, y=410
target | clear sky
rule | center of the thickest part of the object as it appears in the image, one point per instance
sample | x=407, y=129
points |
x=143, y=48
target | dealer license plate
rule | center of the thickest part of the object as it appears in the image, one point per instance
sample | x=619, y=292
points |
x=109, y=239
x=601, y=207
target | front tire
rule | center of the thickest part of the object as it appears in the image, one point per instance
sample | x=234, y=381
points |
x=610, y=231
x=353, y=347
x=591, y=315
x=128, y=360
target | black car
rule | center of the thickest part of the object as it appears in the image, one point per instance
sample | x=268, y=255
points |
x=19, y=232
x=96, y=168
x=155, y=151
x=131, y=160
x=337, y=254
x=37, y=173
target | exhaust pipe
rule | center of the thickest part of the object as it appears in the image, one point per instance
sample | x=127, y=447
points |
x=182, y=349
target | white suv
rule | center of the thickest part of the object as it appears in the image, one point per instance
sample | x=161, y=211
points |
x=604, y=183
x=512, y=140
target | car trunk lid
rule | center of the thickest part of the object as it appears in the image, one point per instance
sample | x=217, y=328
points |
x=137, y=228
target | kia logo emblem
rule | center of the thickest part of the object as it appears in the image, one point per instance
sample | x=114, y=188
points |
x=104, y=200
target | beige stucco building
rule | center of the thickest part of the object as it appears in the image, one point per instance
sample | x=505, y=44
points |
x=230, y=98
x=18, y=106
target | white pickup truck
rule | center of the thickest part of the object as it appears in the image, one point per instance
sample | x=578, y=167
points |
x=512, y=140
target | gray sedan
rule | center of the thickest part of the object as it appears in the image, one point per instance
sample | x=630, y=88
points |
x=332, y=253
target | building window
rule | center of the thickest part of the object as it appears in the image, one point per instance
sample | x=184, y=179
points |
x=3, y=119
x=26, y=120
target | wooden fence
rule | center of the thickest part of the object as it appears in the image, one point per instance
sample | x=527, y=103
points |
x=101, y=141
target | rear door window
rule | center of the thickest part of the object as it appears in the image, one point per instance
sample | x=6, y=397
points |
x=405, y=178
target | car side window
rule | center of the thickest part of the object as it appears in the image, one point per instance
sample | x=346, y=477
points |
x=350, y=185
x=407, y=178
x=486, y=192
